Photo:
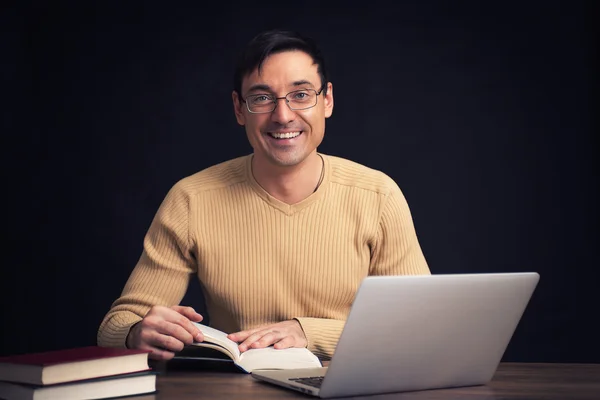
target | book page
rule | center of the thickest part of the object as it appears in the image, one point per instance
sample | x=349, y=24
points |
x=204, y=351
x=212, y=335
x=271, y=358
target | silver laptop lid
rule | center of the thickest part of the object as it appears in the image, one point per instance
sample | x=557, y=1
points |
x=423, y=332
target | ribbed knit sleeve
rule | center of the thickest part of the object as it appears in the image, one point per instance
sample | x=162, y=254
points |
x=322, y=335
x=162, y=274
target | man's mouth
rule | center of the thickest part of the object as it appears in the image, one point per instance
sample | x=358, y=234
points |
x=284, y=135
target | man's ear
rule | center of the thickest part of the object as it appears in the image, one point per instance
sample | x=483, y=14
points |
x=238, y=108
x=328, y=100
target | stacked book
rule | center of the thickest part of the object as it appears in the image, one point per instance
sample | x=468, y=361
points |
x=76, y=374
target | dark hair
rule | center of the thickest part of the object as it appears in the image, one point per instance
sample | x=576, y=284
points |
x=272, y=42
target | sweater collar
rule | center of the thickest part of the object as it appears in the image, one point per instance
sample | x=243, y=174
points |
x=290, y=209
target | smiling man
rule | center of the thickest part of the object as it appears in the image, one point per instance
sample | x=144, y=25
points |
x=285, y=131
x=281, y=238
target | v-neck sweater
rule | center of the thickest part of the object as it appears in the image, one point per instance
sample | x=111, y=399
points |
x=260, y=260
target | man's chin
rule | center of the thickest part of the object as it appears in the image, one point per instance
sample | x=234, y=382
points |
x=286, y=160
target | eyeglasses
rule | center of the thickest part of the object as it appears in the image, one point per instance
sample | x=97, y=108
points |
x=297, y=100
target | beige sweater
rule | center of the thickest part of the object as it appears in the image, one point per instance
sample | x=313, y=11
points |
x=260, y=260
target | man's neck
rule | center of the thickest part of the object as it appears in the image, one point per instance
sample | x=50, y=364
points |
x=290, y=185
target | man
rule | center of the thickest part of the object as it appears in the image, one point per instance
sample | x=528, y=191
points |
x=279, y=239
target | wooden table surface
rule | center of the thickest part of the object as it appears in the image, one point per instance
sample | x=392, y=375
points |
x=193, y=380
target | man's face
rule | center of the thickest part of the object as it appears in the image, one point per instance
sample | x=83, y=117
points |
x=280, y=74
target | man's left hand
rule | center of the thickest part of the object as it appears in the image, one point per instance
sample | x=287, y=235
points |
x=281, y=335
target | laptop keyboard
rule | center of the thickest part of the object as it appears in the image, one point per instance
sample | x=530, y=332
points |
x=314, y=381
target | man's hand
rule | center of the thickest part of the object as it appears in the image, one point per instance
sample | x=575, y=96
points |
x=281, y=335
x=165, y=330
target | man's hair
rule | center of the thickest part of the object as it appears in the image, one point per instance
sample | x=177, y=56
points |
x=272, y=42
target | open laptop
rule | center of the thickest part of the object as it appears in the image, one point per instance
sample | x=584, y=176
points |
x=407, y=333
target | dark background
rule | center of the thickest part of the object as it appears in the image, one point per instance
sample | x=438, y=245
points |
x=484, y=114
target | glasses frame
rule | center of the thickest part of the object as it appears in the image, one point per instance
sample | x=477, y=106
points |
x=287, y=102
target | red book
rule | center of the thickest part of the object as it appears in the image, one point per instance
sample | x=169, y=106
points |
x=72, y=365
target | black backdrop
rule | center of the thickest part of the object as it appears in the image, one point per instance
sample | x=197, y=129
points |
x=485, y=116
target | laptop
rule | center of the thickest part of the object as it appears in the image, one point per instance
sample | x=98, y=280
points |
x=409, y=333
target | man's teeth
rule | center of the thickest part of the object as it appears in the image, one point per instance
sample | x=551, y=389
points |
x=286, y=135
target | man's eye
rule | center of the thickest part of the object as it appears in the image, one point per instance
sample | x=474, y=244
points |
x=300, y=95
x=261, y=99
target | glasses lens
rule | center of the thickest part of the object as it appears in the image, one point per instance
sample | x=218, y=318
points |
x=301, y=99
x=260, y=103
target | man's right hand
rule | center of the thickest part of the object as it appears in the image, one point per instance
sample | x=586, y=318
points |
x=165, y=330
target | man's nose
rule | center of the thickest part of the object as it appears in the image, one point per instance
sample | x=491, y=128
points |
x=282, y=112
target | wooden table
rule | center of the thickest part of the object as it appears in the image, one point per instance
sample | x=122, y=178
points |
x=521, y=381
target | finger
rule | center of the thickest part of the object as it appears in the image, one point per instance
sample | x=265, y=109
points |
x=191, y=315
x=257, y=337
x=267, y=340
x=189, y=312
x=162, y=346
x=180, y=319
x=247, y=342
x=169, y=343
x=285, y=343
x=243, y=335
x=176, y=330
x=159, y=354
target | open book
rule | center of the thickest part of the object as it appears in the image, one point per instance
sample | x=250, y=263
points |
x=266, y=358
